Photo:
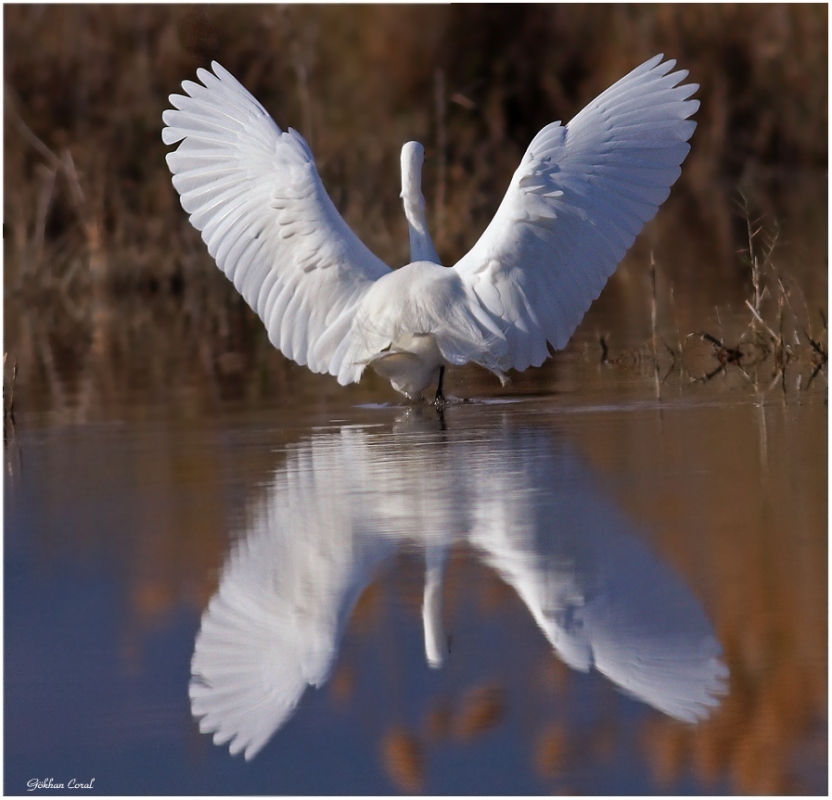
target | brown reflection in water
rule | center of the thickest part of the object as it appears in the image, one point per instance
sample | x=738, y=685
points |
x=762, y=557
x=403, y=759
x=438, y=720
x=551, y=750
x=552, y=676
x=481, y=709
x=175, y=559
x=342, y=685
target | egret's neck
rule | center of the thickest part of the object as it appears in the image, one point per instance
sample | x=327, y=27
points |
x=421, y=245
x=432, y=606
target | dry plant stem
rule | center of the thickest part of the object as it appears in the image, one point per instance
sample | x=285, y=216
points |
x=752, y=256
x=26, y=131
x=756, y=344
x=44, y=200
x=66, y=166
x=89, y=223
x=605, y=350
x=817, y=347
x=653, y=323
x=787, y=298
x=653, y=303
x=8, y=405
x=774, y=336
x=818, y=369
x=441, y=103
x=305, y=99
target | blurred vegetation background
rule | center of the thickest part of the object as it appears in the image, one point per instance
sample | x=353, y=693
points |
x=93, y=227
x=85, y=175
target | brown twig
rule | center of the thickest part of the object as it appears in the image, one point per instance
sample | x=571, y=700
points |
x=441, y=147
x=762, y=322
x=605, y=350
x=8, y=405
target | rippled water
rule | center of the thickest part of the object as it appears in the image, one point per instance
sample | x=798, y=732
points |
x=616, y=584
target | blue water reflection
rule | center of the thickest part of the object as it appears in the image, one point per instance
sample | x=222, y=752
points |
x=345, y=500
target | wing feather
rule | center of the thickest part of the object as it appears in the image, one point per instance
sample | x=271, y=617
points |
x=580, y=196
x=253, y=192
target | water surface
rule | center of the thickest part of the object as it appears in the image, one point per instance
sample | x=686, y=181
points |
x=626, y=588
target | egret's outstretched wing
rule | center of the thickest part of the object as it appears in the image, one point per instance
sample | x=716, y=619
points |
x=580, y=196
x=254, y=193
x=286, y=593
x=597, y=592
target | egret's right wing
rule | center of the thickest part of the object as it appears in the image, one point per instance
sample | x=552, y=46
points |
x=254, y=193
x=580, y=196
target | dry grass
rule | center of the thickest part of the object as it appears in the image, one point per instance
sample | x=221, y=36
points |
x=86, y=85
x=784, y=334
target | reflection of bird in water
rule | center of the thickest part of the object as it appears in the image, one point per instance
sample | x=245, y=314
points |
x=344, y=500
x=580, y=196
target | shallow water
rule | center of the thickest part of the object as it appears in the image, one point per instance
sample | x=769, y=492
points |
x=613, y=554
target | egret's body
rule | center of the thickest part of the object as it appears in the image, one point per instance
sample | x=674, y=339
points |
x=577, y=201
x=415, y=320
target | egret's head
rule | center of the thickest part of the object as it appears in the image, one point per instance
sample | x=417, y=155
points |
x=413, y=156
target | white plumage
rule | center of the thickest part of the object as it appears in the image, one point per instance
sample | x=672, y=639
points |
x=580, y=196
x=345, y=500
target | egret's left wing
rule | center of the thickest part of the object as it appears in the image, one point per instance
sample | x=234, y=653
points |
x=253, y=192
x=576, y=203
x=600, y=596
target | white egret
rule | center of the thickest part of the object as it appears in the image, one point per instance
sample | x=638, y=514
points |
x=580, y=196
x=345, y=500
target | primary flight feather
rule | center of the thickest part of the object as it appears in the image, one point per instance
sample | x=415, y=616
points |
x=580, y=196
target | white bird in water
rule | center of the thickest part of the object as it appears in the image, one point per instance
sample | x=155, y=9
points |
x=580, y=196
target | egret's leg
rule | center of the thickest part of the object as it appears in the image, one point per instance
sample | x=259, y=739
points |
x=440, y=398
